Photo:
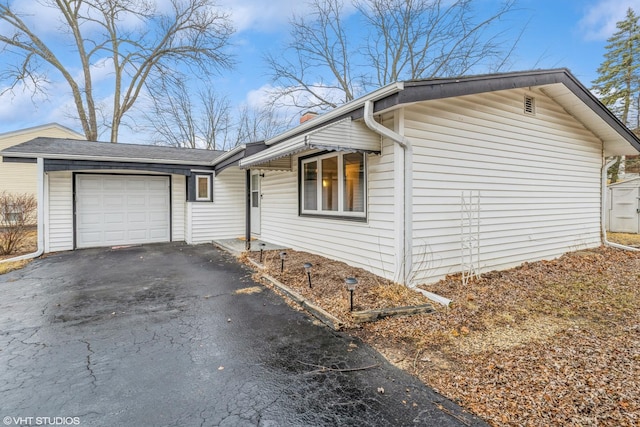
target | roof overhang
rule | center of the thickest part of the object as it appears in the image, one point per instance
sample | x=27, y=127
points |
x=558, y=84
x=54, y=156
x=342, y=135
x=617, y=139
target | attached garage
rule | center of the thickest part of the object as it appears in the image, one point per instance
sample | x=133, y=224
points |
x=122, y=209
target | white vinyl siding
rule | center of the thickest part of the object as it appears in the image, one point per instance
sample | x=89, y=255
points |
x=538, y=178
x=59, y=220
x=178, y=201
x=22, y=177
x=369, y=245
x=224, y=218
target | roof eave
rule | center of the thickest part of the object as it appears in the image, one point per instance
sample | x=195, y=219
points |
x=104, y=158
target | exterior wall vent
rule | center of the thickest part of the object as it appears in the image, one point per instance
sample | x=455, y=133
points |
x=529, y=105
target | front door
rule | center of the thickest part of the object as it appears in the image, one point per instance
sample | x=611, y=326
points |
x=256, y=201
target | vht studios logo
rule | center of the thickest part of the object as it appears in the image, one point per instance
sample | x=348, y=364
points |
x=41, y=421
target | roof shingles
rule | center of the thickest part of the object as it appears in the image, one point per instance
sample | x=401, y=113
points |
x=71, y=148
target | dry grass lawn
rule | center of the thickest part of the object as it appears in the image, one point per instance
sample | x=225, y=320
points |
x=30, y=245
x=548, y=343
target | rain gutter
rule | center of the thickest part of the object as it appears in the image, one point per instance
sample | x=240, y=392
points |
x=405, y=231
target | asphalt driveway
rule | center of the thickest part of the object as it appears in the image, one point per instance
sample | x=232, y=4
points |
x=157, y=335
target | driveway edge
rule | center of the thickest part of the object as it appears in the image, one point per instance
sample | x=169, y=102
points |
x=317, y=312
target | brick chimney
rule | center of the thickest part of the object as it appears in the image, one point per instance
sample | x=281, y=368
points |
x=308, y=116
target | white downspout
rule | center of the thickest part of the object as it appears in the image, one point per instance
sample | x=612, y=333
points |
x=40, y=250
x=605, y=169
x=402, y=141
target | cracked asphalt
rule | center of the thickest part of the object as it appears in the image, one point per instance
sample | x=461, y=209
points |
x=157, y=336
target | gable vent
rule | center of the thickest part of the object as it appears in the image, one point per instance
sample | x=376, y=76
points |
x=529, y=105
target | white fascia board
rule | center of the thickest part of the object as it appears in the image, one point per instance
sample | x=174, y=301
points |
x=105, y=159
x=229, y=153
x=357, y=103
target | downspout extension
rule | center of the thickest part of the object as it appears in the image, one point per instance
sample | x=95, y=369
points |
x=605, y=169
x=40, y=250
x=405, y=144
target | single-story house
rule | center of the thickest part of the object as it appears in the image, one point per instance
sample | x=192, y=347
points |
x=623, y=210
x=414, y=181
x=20, y=178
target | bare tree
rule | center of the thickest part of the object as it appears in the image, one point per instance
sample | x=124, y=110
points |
x=179, y=119
x=140, y=40
x=411, y=39
x=258, y=124
x=320, y=46
x=398, y=39
x=17, y=216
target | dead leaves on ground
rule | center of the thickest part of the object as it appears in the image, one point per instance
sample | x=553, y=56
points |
x=548, y=343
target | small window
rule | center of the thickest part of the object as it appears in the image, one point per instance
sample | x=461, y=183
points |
x=529, y=105
x=12, y=214
x=203, y=187
x=200, y=187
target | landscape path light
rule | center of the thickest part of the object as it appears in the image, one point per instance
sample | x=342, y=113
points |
x=307, y=268
x=283, y=255
x=262, y=245
x=351, y=283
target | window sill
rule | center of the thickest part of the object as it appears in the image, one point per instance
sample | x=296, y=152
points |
x=335, y=217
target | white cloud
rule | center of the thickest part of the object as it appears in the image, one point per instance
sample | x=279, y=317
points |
x=267, y=16
x=599, y=20
x=21, y=108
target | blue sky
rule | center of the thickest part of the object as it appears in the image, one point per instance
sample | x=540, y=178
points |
x=560, y=33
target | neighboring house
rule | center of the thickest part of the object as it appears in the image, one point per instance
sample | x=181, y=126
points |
x=414, y=181
x=21, y=177
x=623, y=211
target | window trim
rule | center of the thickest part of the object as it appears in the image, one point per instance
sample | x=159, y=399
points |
x=192, y=187
x=340, y=213
x=207, y=198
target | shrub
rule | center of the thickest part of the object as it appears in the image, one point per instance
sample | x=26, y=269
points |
x=17, y=215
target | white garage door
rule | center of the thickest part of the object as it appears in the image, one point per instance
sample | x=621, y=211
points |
x=121, y=210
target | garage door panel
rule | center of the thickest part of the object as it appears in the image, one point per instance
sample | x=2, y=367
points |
x=91, y=202
x=137, y=217
x=113, y=218
x=115, y=210
x=92, y=237
x=114, y=184
x=157, y=202
x=156, y=185
x=156, y=234
x=89, y=184
x=114, y=237
x=139, y=185
x=137, y=201
x=138, y=235
x=89, y=219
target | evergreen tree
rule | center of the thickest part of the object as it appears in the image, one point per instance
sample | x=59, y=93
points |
x=618, y=84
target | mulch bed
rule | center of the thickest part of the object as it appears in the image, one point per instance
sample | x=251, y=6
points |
x=548, y=343
x=328, y=288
